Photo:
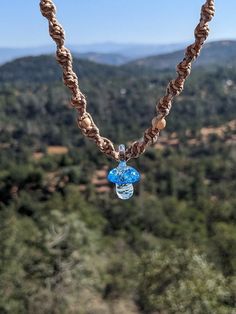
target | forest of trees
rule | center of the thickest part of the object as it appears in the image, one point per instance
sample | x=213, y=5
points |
x=170, y=249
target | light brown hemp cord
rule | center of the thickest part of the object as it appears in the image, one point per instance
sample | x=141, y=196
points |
x=174, y=88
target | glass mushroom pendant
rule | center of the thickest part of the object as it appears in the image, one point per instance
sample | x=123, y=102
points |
x=124, y=177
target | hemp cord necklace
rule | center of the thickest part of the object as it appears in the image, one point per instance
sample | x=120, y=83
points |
x=124, y=176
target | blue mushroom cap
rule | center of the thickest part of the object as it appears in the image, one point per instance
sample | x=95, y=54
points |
x=123, y=174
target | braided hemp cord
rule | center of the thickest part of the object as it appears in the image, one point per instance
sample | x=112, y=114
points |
x=78, y=100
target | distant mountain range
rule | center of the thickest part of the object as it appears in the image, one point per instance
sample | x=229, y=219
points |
x=149, y=56
x=104, y=58
x=106, y=53
x=212, y=53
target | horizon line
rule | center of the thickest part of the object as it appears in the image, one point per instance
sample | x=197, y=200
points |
x=47, y=45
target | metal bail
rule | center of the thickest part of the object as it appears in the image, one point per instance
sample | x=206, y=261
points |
x=121, y=150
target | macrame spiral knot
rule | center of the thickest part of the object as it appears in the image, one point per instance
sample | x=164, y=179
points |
x=149, y=134
x=202, y=32
x=64, y=57
x=192, y=52
x=92, y=132
x=108, y=148
x=56, y=32
x=164, y=106
x=184, y=69
x=176, y=86
x=135, y=150
x=47, y=8
x=79, y=102
x=70, y=79
x=99, y=141
x=208, y=11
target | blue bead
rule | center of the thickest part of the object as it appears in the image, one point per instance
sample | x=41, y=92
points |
x=123, y=174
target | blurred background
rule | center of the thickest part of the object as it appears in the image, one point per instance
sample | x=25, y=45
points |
x=67, y=244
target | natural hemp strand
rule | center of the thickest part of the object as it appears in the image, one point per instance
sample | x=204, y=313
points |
x=78, y=100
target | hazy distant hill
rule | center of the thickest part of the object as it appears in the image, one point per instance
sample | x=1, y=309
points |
x=129, y=50
x=104, y=58
x=107, y=53
x=9, y=54
x=221, y=52
x=150, y=56
x=212, y=53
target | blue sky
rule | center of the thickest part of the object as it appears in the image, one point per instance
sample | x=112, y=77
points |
x=124, y=21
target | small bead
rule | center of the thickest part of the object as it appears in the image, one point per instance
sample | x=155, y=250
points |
x=85, y=123
x=158, y=124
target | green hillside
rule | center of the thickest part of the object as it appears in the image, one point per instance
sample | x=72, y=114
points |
x=34, y=101
x=68, y=245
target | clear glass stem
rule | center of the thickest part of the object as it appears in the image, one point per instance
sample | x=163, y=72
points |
x=124, y=191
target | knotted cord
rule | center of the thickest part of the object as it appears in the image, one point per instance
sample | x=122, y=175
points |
x=79, y=102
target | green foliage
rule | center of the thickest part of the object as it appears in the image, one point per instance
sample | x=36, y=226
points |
x=180, y=281
x=30, y=93
x=63, y=249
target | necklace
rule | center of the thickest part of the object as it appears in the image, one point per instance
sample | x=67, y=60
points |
x=125, y=176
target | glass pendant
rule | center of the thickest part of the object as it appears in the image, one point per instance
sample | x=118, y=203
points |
x=124, y=177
